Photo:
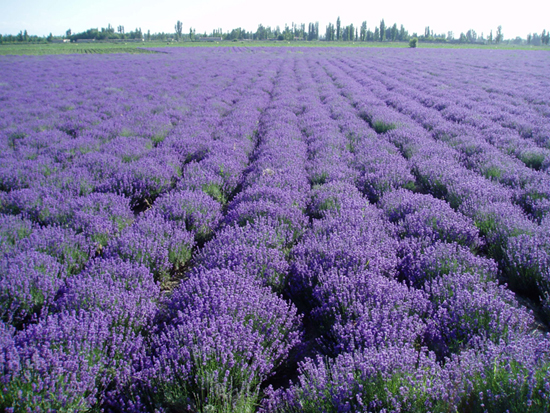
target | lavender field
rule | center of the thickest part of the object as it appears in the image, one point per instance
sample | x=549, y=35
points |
x=275, y=230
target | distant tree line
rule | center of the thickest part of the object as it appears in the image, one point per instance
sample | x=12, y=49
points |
x=24, y=37
x=106, y=33
x=536, y=40
x=334, y=32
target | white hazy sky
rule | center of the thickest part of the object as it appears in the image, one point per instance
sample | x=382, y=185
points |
x=41, y=17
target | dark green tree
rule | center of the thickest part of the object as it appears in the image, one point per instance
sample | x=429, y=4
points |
x=313, y=31
x=382, y=30
x=68, y=33
x=329, y=33
x=261, y=33
x=499, y=37
x=394, y=32
x=402, y=34
x=370, y=35
x=338, y=31
x=179, y=29
x=287, y=33
x=363, y=32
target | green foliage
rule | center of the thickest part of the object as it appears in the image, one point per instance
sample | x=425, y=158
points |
x=519, y=390
x=17, y=390
x=319, y=178
x=179, y=255
x=382, y=127
x=493, y=173
x=533, y=160
x=413, y=42
x=208, y=391
x=215, y=192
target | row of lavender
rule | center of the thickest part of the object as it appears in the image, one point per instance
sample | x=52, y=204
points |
x=454, y=339
x=83, y=315
x=452, y=161
x=256, y=177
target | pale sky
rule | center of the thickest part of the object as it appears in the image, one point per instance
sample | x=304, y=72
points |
x=41, y=17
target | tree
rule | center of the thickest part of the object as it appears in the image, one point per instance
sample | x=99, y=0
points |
x=261, y=33
x=338, y=31
x=394, y=32
x=313, y=31
x=179, y=29
x=68, y=33
x=329, y=34
x=120, y=29
x=287, y=33
x=376, y=34
x=382, y=30
x=500, y=37
x=26, y=36
x=402, y=33
x=363, y=33
x=413, y=42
